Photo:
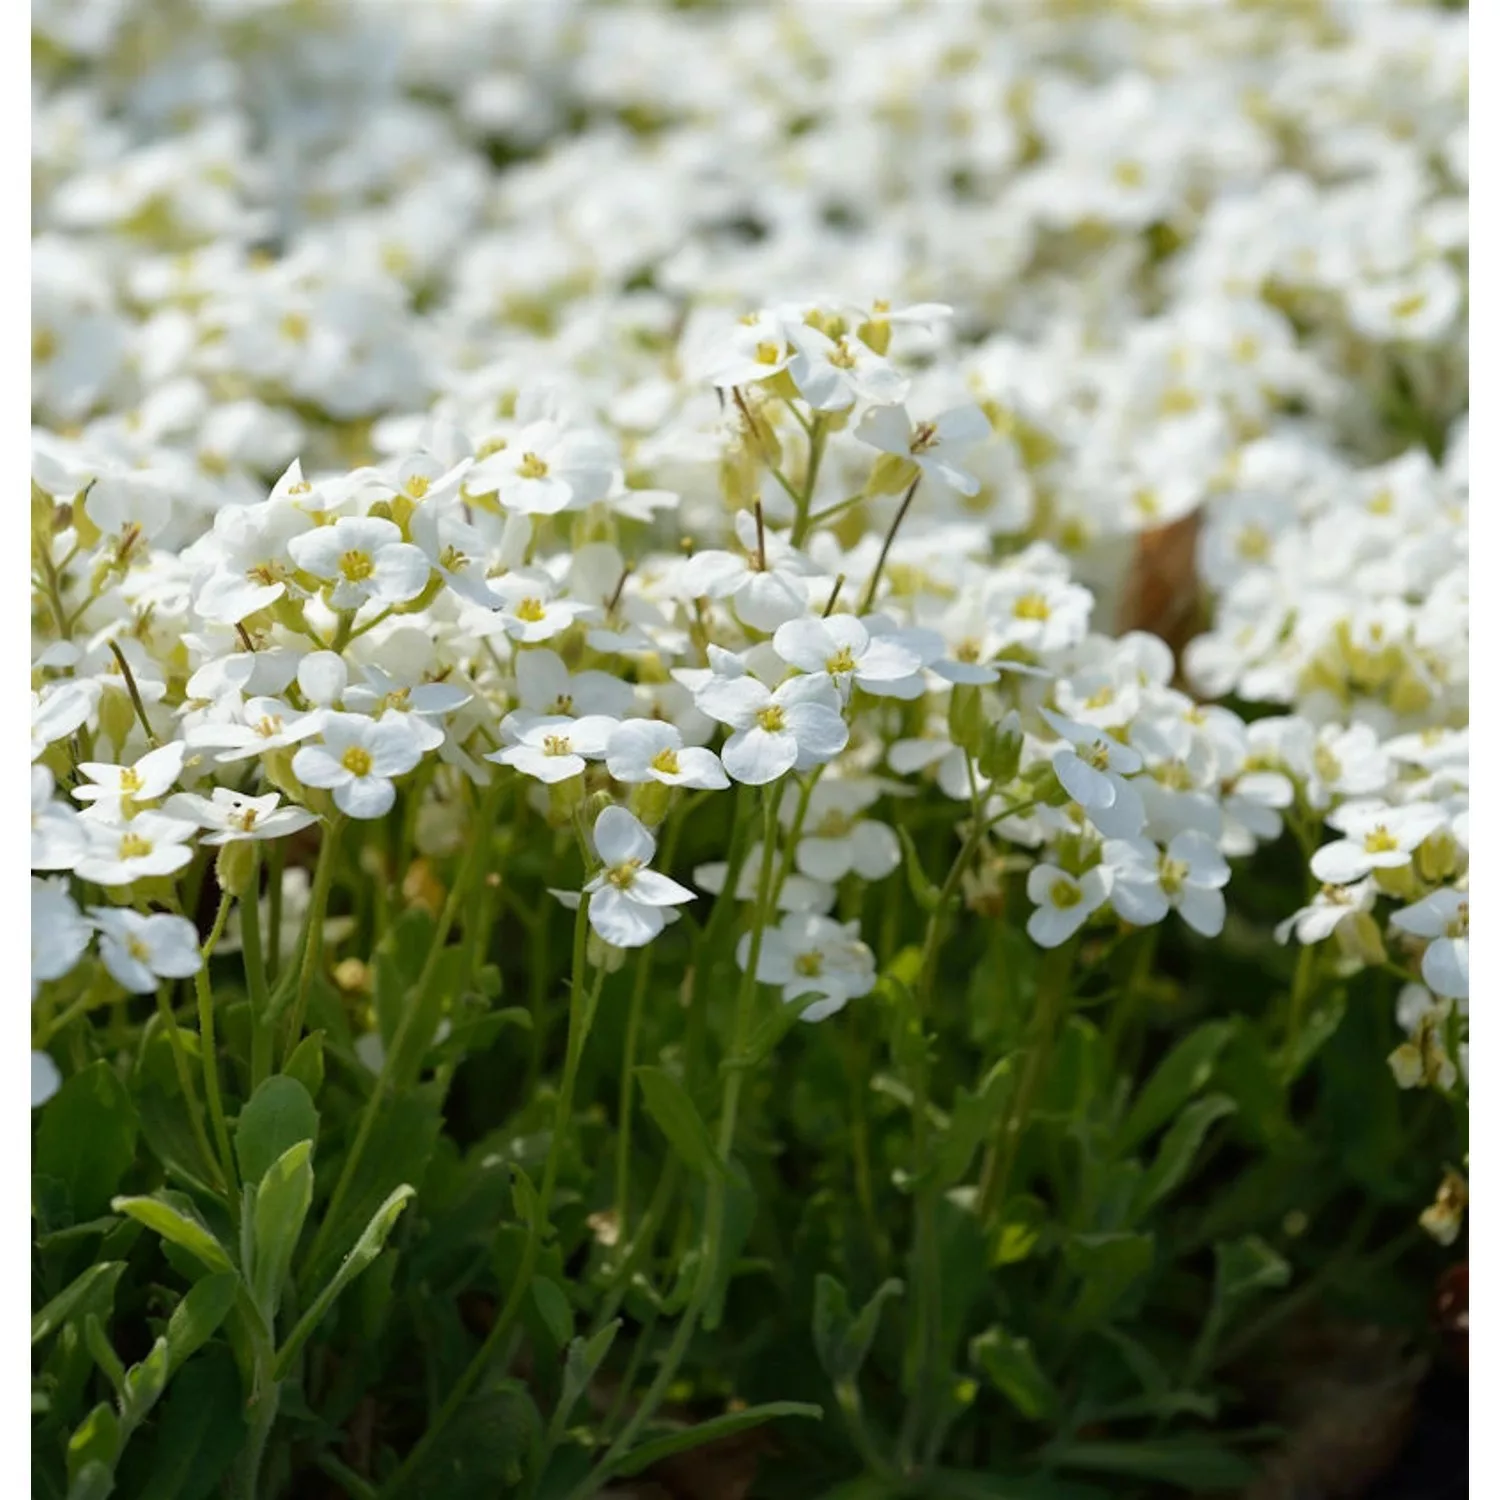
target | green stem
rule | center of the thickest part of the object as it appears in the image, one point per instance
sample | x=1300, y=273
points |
x=185, y=1076
x=135, y=694
x=627, y=1090
x=580, y=1015
x=317, y=911
x=885, y=548
x=262, y=1026
x=410, y=1006
x=204, y=988
x=718, y=1188
x=817, y=436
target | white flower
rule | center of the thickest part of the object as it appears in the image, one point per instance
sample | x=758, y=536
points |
x=138, y=950
x=149, y=844
x=626, y=899
x=265, y=724
x=798, y=892
x=1063, y=902
x=763, y=597
x=546, y=468
x=59, y=709
x=836, y=841
x=546, y=686
x=1442, y=917
x=1423, y=1057
x=531, y=609
x=553, y=747
x=45, y=1079
x=59, y=932
x=1092, y=770
x=810, y=954
x=832, y=374
x=58, y=838
x=755, y=348
x=253, y=567
x=235, y=816
x=935, y=447
x=356, y=760
x=797, y=727
x=845, y=649
x=650, y=750
x=147, y=779
x=1147, y=882
x=1328, y=910
x=1376, y=837
x=454, y=549
x=365, y=559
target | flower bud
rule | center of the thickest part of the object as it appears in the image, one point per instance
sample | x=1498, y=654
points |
x=116, y=716
x=564, y=798
x=649, y=801
x=1359, y=939
x=234, y=868
x=966, y=717
x=875, y=335
x=892, y=473
x=1000, y=749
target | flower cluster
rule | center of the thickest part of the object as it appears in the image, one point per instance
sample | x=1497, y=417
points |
x=650, y=470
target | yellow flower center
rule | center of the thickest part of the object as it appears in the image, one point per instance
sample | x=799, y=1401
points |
x=1172, y=874
x=130, y=781
x=357, y=760
x=1409, y=307
x=43, y=345
x=1254, y=544
x=924, y=437
x=267, y=725
x=768, y=354
x=1032, y=607
x=302, y=487
x=841, y=661
x=1380, y=840
x=450, y=559
x=665, y=761
x=133, y=846
x=1459, y=926
x=531, y=467
x=1064, y=894
x=531, y=610
x=294, y=326
x=356, y=566
x=1102, y=699
x=245, y=818
x=417, y=486
x=622, y=876
x=968, y=650
x=562, y=705
x=772, y=718
x=809, y=965
x=1129, y=174
x=841, y=358
x=557, y=744
x=138, y=950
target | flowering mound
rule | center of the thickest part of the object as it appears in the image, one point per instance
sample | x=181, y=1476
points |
x=742, y=718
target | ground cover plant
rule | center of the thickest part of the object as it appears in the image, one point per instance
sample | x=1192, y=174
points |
x=748, y=740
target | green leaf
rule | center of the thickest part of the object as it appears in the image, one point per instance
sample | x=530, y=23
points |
x=197, y=1317
x=1183, y=1072
x=281, y=1204
x=94, y=1480
x=924, y=892
x=668, y=1104
x=1011, y=1367
x=96, y=1440
x=401, y=1145
x=1109, y=1266
x=86, y=1138
x=842, y=1340
x=1189, y=1463
x=974, y=1117
x=306, y=1063
x=1021, y=1223
x=1243, y=1267
x=365, y=1249
x=1179, y=1148
x=493, y=1444
x=769, y=1032
x=175, y=1219
x=279, y=1115
x=711, y=1431
x=552, y=1303
x=200, y=1431
x=93, y=1291
x=143, y=1386
x=1073, y=1076
x=584, y=1359
x=103, y=1352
